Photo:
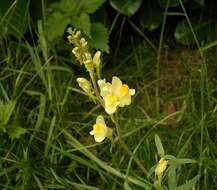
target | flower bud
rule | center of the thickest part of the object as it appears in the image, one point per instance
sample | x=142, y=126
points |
x=83, y=43
x=75, y=51
x=96, y=63
x=97, y=58
x=161, y=167
x=77, y=34
x=88, y=62
x=85, y=86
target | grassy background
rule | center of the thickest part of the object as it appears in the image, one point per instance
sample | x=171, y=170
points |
x=56, y=151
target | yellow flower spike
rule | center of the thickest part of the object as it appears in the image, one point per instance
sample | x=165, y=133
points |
x=81, y=49
x=161, y=167
x=100, y=130
x=96, y=62
x=85, y=86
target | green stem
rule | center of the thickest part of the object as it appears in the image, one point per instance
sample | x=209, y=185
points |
x=159, y=187
x=96, y=91
x=123, y=144
x=157, y=94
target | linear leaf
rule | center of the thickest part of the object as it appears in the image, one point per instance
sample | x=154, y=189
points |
x=159, y=146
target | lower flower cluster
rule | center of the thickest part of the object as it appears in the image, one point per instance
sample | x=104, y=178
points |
x=115, y=94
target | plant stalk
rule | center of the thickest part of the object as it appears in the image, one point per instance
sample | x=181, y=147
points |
x=123, y=144
x=95, y=88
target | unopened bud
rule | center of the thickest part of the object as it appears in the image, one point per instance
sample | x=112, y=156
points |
x=96, y=63
x=85, y=86
x=161, y=167
x=83, y=43
x=77, y=34
x=88, y=62
x=75, y=51
x=97, y=58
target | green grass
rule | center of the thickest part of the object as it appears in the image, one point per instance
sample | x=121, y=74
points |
x=56, y=151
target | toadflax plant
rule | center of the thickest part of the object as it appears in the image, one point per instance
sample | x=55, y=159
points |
x=113, y=96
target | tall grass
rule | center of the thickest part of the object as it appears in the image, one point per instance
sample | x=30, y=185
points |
x=56, y=152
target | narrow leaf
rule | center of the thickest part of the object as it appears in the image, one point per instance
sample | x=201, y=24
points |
x=126, y=186
x=172, y=178
x=49, y=137
x=159, y=146
x=6, y=111
x=18, y=20
x=180, y=161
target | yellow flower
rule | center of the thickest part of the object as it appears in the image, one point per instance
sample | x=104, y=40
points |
x=115, y=95
x=161, y=167
x=122, y=91
x=85, y=86
x=100, y=130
